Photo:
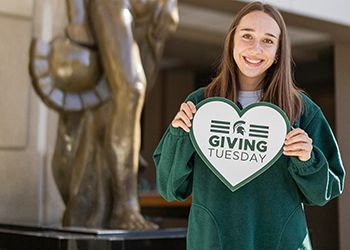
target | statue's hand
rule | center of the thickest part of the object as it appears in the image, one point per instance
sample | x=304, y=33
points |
x=165, y=18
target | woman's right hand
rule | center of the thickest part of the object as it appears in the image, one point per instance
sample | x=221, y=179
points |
x=184, y=116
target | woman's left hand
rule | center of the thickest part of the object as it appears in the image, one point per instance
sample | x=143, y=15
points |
x=299, y=144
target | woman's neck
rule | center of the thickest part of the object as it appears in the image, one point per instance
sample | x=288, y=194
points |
x=250, y=83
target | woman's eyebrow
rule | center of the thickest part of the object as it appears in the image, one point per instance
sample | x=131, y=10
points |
x=252, y=30
x=272, y=35
x=247, y=29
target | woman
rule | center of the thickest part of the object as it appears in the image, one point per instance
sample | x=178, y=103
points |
x=266, y=213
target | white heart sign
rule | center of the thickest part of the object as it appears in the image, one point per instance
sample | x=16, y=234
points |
x=238, y=145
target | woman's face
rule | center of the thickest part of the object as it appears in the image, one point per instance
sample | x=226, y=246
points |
x=255, y=45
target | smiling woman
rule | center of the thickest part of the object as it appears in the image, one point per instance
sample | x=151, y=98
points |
x=267, y=212
x=261, y=60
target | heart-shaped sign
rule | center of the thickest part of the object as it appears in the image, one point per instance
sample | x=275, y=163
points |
x=238, y=145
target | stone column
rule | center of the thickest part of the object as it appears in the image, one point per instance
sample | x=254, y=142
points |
x=27, y=128
x=342, y=115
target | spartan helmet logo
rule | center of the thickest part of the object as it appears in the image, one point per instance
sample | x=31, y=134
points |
x=238, y=127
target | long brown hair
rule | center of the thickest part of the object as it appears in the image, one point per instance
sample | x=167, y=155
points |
x=278, y=86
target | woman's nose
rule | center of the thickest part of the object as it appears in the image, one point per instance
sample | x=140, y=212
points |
x=256, y=47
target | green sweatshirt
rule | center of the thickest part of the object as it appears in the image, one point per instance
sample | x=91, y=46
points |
x=265, y=214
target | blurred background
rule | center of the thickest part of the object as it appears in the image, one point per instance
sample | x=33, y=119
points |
x=320, y=36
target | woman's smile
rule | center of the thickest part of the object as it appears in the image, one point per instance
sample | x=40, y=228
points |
x=255, y=62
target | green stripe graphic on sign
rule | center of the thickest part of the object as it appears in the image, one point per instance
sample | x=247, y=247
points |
x=222, y=127
x=259, y=131
x=259, y=126
x=219, y=131
x=218, y=126
x=257, y=135
x=220, y=122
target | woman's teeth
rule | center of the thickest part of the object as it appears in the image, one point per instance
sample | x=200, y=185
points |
x=253, y=61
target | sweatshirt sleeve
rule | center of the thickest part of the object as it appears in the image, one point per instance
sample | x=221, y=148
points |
x=174, y=159
x=174, y=164
x=321, y=178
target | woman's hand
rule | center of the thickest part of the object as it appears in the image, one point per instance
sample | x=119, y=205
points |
x=298, y=144
x=184, y=116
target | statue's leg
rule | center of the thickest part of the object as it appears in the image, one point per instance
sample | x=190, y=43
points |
x=61, y=161
x=66, y=172
x=112, y=22
x=79, y=167
x=68, y=138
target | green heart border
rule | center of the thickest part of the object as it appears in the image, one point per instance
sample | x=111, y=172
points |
x=240, y=113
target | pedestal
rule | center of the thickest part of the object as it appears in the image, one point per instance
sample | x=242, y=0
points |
x=19, y=237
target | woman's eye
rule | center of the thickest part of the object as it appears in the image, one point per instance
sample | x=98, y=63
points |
x=268, y=41
x=247, y=36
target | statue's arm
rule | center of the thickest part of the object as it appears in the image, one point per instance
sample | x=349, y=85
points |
x=165, y=18
x=112, y=24
x=78, y=28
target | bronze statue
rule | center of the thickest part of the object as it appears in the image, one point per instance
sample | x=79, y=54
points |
x=96, y=78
